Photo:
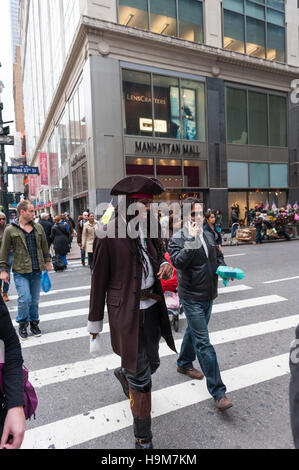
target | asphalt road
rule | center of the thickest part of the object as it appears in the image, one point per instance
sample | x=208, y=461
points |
x=81, y=405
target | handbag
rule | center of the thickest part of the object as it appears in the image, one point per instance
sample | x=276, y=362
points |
x=30, y=396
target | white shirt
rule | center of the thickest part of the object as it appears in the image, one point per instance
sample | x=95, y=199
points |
x=204, y=243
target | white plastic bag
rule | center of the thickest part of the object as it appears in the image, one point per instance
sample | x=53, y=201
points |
x=95, y=347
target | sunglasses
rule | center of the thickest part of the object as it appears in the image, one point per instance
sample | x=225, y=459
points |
x=193, y=214
x=2, y=218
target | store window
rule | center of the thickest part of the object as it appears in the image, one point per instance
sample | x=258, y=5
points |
x=77, y=118
x=237, y=175
x=137, y=103
x=139, y=166
x=169, y=172
x=278, y=175
x=259, y=175
x=264, y=23
x=262, y=108
x=180, y=18
x=195, y=174
x=177, y=108
x=166, y=107
x=65, y=187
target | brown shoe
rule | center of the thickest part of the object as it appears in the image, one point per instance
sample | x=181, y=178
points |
x=223, y=403
x=192, y=373
x=5, y=298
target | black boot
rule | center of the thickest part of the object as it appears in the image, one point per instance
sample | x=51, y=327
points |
x=123, y=381
x=23, y=330
x=141, y=410
x=35, y=329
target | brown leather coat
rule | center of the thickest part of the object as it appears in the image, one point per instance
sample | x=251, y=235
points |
x=117, y=274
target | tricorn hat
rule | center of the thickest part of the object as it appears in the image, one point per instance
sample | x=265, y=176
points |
x=137, y=187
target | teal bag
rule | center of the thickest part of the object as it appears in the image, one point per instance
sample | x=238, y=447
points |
x=46, y=282
x=225, y=272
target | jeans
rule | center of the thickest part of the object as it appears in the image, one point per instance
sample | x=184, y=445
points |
x=196, y=342
x=259, y=237
x=6, y=284
x=28, y=288
x=82, y=256
x=90, y=260
x=234, y=230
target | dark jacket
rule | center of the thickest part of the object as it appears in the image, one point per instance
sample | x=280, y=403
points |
x=234, y=217
x=196, y=273
x=60, y=239
x=12, y=369
x=47, y=226
x=118, y=274
x=217, y=235
x=294, y=389
x=79, y=230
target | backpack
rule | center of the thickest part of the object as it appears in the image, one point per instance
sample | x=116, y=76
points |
x=30, y=396
x=58, y=264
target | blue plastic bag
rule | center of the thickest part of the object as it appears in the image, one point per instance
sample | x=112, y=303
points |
x=225, y=272
x=46, y=283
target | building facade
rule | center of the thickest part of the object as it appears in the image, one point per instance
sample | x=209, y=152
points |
x=196, y=93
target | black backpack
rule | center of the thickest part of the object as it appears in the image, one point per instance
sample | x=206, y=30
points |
x=58, y=264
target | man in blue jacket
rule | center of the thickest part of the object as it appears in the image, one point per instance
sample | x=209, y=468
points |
x=196, y=257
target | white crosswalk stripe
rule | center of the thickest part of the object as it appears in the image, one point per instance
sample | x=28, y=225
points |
x=114, y=417
x=41, y=378
x=81, y=332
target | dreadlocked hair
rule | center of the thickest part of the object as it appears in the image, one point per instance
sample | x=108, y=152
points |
x=136, y=242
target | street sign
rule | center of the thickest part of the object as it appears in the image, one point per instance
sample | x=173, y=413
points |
x=7, y=140
x=23, y=170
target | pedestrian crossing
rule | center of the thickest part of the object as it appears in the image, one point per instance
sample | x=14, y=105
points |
x=103, y=417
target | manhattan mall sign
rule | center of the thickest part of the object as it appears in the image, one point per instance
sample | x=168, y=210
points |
x=167, y=149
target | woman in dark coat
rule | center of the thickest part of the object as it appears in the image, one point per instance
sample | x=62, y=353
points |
x=12, y=418
x=60, y=239
x=210, y=226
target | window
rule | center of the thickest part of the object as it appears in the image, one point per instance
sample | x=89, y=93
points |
x=267, y=117
x=140, y=166
x=236, y=116
x=191, y=20
x=169, y=173
x=195, y=174
x=278, y=121
x=133, y=13
x=258, y=128
x=264, y=23
x=163, y=17
x=177, y=108
x=237, y=175
x=278, y=175
x=259, y=175
x=181, y=18
x=77, y=118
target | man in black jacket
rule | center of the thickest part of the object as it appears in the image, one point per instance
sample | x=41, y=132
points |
x=196, y=257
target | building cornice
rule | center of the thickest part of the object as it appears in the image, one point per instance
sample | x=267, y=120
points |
x=211, y=52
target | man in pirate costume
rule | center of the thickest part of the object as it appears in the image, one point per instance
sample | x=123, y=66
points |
x=128, y=271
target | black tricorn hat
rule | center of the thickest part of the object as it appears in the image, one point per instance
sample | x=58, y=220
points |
x=138, y=187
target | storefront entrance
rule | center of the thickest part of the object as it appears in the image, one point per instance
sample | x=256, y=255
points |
x=80, y=205
x=250, y=199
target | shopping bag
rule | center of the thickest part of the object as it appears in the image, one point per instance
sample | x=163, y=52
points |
x=95, y=346
x=172, y=299
x=225, y=272
x=46, y=282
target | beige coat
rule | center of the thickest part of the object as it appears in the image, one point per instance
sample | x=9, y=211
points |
x=88, y=236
